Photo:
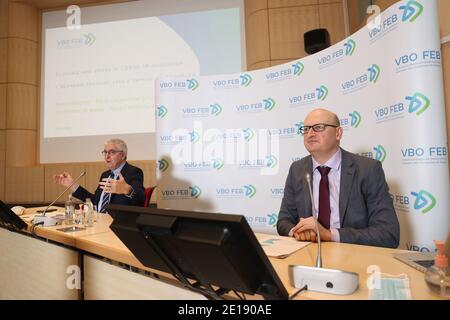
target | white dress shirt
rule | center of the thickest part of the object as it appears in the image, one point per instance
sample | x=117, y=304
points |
x=334, y=180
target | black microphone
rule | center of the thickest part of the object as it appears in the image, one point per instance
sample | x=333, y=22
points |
x=73, y=182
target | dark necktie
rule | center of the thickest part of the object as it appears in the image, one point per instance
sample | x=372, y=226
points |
x=324, y=197
x=106, y=197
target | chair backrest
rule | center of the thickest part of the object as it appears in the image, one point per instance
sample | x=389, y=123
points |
x=148, y=195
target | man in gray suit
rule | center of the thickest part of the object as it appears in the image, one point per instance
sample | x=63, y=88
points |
x=350, y=192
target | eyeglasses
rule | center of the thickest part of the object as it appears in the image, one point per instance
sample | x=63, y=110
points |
x=110, y=152
x=316, y=127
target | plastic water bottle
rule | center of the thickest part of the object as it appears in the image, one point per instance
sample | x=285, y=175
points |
x=69, y=210
x=89, y=215
x=436, y=276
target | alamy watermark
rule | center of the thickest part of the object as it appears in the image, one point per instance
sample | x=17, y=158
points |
x=73, y=21
x=233, y=146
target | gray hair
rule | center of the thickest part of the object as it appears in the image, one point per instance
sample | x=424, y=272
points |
x=120, y=144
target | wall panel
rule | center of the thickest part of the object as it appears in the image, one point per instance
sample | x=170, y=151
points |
x=2, y=164
x=444, y=9
x=257, y=37
x=21, y=110
x=4, y=18
x=277, y=62
x=251, y=6
x=22, y=61
x=21, y=148
x=291, y=3
x=22, y=21
x=2, y=140
x=259, y=65
x=3, y=106
x=2, y=172
x=353, y=15
x=24, y=184
x=3, y=60
x=332, y=19
x=287, y=26
x=330, y=1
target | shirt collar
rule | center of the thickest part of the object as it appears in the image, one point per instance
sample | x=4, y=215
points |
x=334, y=162
x=118, y=169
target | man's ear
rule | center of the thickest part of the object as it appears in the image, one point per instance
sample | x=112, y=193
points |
x=339, y=133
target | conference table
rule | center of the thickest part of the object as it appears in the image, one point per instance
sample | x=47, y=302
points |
x=45, y=263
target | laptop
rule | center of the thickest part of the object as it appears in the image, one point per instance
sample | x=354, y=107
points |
x=9, y=219
x=421, y=260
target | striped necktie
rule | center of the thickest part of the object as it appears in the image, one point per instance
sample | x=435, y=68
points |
x=106, y=196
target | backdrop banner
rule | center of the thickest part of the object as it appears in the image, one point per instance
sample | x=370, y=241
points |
x=225, y=143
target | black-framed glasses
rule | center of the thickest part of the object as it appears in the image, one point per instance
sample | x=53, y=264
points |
x=110, y=152
x=319, y=127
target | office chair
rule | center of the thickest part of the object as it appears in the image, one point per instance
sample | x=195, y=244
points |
x=148, y=195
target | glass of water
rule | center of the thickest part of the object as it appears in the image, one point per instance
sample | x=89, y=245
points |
x=78, y=217
x=69, y=213
x=96, y=214
x=89, y=216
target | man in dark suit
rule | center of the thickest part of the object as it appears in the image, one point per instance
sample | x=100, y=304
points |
x=122, y=183
x=350, y=192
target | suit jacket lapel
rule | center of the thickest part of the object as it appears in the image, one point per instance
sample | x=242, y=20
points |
x=124, y=169
x=347, y=174
x=124, y=173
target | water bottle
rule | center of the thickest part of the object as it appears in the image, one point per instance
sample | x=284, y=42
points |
x=69, y=210
x=436, y=276
x=78, y=217
x=89, y=215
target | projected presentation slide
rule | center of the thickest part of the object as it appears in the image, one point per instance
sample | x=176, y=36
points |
x=99, y=79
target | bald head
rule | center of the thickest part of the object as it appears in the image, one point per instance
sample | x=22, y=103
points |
x=323, y=143
x=325, y=115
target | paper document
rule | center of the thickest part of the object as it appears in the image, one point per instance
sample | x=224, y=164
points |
x=279, y=247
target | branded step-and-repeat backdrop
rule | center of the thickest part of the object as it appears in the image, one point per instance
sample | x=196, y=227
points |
x=225, y=143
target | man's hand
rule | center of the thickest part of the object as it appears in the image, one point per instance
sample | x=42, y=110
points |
x=305, y=230
x=115, y=186
x=305, y=235
x=64, y=179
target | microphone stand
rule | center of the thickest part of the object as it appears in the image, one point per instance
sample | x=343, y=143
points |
x=47, y=221
x=73, y=182
x=317, y=278
x=319, y=244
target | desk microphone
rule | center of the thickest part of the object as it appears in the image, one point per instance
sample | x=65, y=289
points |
x=49, y=221
x=317, y=278
x=319, y=244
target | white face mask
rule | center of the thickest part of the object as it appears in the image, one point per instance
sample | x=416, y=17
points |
x=389, y=287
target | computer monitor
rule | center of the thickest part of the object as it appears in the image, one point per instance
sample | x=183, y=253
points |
x=9, y=219
x=213, y=250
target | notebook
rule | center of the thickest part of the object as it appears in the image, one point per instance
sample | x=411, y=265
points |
x=421, y=260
